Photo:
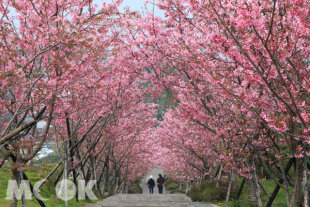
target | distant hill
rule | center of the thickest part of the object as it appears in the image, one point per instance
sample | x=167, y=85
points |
x=50, y=158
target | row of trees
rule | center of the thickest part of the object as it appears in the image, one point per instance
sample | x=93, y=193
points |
x=239, y=72
x=62, y=82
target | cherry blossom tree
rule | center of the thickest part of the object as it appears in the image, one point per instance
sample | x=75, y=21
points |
x=240, y=71
x=237, y=73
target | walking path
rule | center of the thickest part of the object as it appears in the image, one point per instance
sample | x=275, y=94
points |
x=147, y=200
x=155, y=172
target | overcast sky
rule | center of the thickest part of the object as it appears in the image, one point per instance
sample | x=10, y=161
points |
x=137, y=5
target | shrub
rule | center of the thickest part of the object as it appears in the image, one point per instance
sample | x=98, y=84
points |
x=208, y=192
x=211, y=193
x=172, y=186
x=134, y=189
x=194, y=193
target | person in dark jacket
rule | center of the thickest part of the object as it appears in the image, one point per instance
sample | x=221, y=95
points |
x=151, y=184
x=160, y=183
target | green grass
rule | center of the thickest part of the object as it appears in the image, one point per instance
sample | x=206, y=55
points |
x=135, y=188
x=207, y=192
x=47, y=191
x=280, y=200
x=172, y=186
x=269, y=185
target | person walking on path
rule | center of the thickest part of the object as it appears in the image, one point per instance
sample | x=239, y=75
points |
x=151, y=184
x=160, y=183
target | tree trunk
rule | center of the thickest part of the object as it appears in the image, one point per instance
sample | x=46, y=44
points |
x=116, y=184
x=251, y=192
x=94, y=170
x=14, y=177
x=126, y=189
x=257, y=191
x=305, y=179
x=71, y=157
x=22, y=187
x=234, y=184
x=240, y=189
x=296, y=198
x=65, y=175
x=229, y=188
x=49, y=175
x=264, y=190
x=107, y=180
x=58, y=177
x=285, y=182
x=187, y=186
x=277, y=188
x=219, y=176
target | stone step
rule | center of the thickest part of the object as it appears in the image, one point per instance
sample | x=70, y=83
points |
x=139, y=200
x=144, y=200
x=149, y=198
x=148, y=205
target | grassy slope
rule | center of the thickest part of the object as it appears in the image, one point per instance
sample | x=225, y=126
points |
x=47, y=191
x=212, y=192
x=269, y=186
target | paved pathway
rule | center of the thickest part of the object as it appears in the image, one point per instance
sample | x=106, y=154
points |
x=147, y=200
x=155, y=172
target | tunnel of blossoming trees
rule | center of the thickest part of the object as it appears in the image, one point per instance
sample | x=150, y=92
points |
x=212, y=90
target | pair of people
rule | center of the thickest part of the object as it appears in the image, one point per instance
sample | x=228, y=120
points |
x=160, y=184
